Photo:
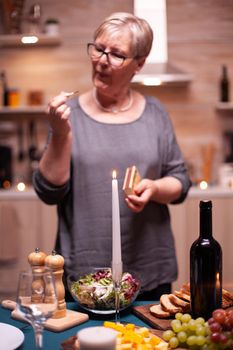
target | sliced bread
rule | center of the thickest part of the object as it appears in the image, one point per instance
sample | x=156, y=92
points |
x=185, y=306
x=167, y=305
x=158, y=311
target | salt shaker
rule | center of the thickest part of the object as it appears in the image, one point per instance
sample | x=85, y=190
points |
x=56, y=262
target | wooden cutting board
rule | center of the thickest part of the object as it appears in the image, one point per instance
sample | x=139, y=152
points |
x=72, y=318
x=143, y=312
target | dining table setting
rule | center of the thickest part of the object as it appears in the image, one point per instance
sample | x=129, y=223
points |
x=64, y=340
x=105, y=313
x=40, y=317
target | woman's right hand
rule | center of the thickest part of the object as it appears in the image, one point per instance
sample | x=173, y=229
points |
x=58, y=114
x=55, y=162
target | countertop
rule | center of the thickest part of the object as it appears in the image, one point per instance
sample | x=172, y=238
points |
x=14, y=194
x=195, y=192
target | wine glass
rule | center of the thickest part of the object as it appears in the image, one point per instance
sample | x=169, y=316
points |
x=116, y=277
x=117, y=289
x=37, y=299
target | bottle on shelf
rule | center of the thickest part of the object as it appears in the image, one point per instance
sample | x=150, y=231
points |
x=4, y=89
x=1, y=90
x=224, y=85
x=205, y=267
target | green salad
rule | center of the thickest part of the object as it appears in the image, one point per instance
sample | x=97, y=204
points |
x=96, y=290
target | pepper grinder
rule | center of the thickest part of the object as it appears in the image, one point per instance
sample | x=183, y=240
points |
x=37, y=261
x=56, y=262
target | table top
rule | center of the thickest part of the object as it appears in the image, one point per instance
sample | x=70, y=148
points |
x=52, y=340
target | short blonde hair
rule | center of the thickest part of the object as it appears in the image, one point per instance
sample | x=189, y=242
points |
x=140, y=30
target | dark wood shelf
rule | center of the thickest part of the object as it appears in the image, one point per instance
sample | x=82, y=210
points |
x=24, y=111
x=12, y=40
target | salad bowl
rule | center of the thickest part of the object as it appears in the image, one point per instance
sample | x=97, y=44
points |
x=94, y=290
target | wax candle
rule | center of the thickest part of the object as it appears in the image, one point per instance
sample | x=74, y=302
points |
x=97, y=338
x=116, y=232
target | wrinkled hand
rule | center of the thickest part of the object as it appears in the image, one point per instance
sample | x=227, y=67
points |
x=144, y=191
x=58, y=114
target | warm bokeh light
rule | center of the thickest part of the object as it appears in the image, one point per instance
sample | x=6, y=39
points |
x=203, y=185
x=151, y=81
x=32, y=39
x=6, y=184
x=21, y=186
x=218, y=279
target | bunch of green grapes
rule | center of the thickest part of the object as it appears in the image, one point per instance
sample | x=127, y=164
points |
x=216, y=333
x=187, y=331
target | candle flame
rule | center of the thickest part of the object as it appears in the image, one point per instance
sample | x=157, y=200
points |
x=114, y=174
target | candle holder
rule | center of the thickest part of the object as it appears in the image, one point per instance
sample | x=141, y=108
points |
x=97, y=338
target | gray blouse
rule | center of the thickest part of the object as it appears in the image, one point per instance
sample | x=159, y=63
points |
x=84, y=203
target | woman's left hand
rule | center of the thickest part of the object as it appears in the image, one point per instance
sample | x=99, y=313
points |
x=164, y=190
x=143, y=194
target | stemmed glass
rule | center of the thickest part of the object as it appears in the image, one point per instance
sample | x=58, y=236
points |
x=37, y=299
x=116, y=277
x=117, y=289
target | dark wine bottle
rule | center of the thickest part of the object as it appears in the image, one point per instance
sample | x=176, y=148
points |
x=5, y=101
x=205, y=268
x=224, y=85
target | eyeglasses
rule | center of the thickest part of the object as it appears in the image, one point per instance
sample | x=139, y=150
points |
x=114, y=58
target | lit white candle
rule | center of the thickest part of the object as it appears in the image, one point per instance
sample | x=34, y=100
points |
x=97, y=338
x=116, y=232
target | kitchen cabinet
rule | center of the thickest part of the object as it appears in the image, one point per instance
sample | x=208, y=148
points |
x=26, y=223
x=185, y=223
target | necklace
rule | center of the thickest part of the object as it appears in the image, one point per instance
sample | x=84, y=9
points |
x=114, y=109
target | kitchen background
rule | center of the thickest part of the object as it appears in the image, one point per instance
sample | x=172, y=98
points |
x=199, y=42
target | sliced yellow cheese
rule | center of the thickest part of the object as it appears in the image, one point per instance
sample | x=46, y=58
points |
x=136, y=338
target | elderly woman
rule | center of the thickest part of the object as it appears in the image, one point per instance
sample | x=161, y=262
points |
x=112, y=127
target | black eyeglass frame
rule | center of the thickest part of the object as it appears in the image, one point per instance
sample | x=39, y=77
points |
x=119, y=56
